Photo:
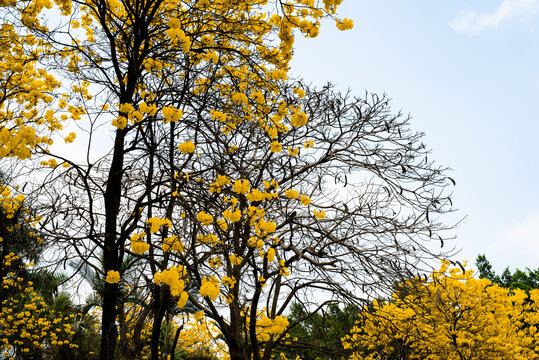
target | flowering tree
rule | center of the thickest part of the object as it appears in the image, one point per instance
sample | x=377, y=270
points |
x=25, y=91
x=254, y=230
x=452, y=315
x=37, y=319
x=236, y=189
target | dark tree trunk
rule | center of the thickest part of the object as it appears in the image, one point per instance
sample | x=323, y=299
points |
x=175, y=343
x=237, y=350
x=160, y=308
x=112, y=259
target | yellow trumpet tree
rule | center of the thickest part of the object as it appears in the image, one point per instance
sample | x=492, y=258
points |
x=451, y=315
x=138, y=66
x=197, y=156
x=25, y=90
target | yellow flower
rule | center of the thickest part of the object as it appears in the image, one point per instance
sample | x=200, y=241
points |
x=139, y=247
x=299, y=119
x=183, y=300
x=257, y=195
x=156, y=223
x=69, y=139
x=187, y=147
x=308, y=143
x=235, y=260
x=299, y=92
x=272, y=132
x=304, y=200
x=241, y=186
x=210, y=288
x=137, y=244
x=228, y=281
x=205, y=219
x=255, y=242
x=270, y=254
x=208, y=238
x=113, y=277
x=265, y=227
x=171, y=114
x=293, y=151
x=50, y=163
x=173, y=278
x=172, y=243
x=258, y=97
x=283, y=270
x=222, y=224
x=222, y=180
x=232, y=216
x=120, y=122
x=345, y=24
x=276, y=147
x=215, y=262
x=291, y=194
x=319, y=214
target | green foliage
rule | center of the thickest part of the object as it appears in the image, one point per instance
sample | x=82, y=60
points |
x=525, y=280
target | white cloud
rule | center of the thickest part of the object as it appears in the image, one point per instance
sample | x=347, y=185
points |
x=472, y=23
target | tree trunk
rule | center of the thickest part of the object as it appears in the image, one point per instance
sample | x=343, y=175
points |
x=160, y=307
x=112, y=260
x=237, y=350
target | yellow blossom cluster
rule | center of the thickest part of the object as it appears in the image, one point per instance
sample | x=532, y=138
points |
x=450, y=316
x=25, y=87
x=264, y=228
x=210, y=287
x=283, y=270
x=138, y=245
x=221, y=181
x=235, y=259
x=266, y=327
x=294, y=194
x=171, y=114
x=205, y=218
x=29, y=324
x=207, y=239
x=201, y=338
x=256, y=195
x=291, y=194
x=156, y=223
x=187, y=147
x=233, y=215
x=172, y=243
x=10, y=204
x=113, y=277
x=50, y=163
x=173, y=277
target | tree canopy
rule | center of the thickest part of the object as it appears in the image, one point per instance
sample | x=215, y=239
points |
x=204, y=179
x=449, y=315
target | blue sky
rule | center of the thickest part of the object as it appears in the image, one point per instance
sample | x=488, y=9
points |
x=468, y=73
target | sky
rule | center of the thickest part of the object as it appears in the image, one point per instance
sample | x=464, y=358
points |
x=467, y=71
